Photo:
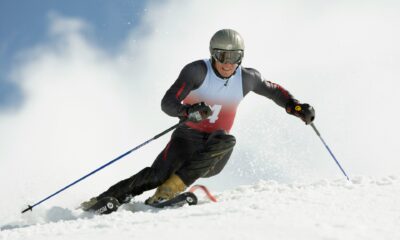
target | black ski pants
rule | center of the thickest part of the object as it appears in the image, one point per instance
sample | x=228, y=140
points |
x=190, y=154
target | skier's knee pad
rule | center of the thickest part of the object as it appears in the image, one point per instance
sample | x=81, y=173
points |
x=218, y=145
x=218, y=165
x=213, y=156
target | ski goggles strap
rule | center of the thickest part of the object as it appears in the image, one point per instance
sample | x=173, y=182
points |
x=227, y=56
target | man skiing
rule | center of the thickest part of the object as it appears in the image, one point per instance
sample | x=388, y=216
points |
x=205, y=98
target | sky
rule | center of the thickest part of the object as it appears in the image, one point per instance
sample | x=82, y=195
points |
x=82, y=84
x=110, y=22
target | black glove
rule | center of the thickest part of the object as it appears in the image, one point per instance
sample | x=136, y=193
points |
x=301, y=110
x=198, y=112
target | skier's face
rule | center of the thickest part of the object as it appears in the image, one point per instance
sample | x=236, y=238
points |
x=225, y=69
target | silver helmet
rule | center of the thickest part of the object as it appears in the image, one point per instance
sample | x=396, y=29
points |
x=227, y=46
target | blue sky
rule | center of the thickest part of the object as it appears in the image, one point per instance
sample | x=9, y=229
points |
x=24, y=23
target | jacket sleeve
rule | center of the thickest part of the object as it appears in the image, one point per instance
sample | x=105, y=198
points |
x=190, y=78
x=253, y=81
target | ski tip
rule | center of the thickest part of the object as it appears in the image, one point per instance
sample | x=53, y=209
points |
x=205, y=190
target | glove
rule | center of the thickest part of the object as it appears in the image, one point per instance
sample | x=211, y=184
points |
x=198, y=112
x=301, y=110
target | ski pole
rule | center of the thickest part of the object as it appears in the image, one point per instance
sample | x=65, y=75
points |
x=329, y=150
x=103, y=166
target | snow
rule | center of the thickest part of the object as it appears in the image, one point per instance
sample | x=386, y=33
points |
x=365, y=208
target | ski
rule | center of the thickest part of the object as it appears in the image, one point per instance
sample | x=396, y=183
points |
x=108, y=205
x=105, y=205
x=186, y=197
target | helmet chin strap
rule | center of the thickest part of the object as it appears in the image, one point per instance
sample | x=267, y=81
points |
x=218, y=74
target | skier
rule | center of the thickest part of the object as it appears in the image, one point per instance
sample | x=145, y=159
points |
x=205, y=97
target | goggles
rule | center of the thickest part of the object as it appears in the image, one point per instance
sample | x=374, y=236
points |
x=227, y=56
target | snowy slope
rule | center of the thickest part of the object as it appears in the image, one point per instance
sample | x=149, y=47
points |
x=366, y=208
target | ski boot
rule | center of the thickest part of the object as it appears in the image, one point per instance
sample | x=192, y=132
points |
x=168, y=190
x=170, y=194
x=105, y=205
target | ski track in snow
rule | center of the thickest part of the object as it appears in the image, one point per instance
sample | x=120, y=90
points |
x=365, y=208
